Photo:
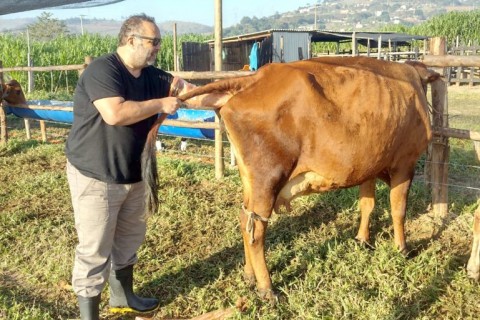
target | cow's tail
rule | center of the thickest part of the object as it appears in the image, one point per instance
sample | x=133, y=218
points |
x=229, y=85
x=149, y=159
x=149, y=167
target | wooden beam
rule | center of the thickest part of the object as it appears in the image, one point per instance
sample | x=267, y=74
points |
x=451, y=61
x=457, y=133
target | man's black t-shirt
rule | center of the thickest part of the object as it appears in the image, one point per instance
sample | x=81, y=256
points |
x=105, y=152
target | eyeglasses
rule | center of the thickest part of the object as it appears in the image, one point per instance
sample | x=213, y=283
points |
x=155, y=41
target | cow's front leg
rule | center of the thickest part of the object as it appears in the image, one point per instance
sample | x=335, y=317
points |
x=398, y=203
x=473, y=266
x=366, y=204
x=254, y=229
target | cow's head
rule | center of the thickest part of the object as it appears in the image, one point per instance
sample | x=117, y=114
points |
x=12, y=93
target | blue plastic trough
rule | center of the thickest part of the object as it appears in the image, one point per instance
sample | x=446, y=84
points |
x=65, y=116
x=44, y=114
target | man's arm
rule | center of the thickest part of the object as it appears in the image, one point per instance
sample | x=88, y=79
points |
x=116, y=111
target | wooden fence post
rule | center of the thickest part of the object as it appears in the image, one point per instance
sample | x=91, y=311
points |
x=460, y=70
x=440, y=149
x=379, y=50
x=219, y=164
x=88, y=60
x=3, y=125
x=27, y=128
x=43, y=130
x=175, y=53
x=31, y=87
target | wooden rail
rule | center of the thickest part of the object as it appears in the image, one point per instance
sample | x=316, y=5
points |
x=73, y=67
x=457, y=133
x=444, y=61
x=439, y=147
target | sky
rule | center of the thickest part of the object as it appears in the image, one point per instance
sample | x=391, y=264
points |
x=200, y=11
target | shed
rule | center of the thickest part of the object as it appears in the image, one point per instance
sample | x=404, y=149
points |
x=280, y=45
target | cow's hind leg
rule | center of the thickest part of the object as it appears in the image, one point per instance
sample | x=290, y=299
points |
x=366, y=204
x=254, y=227
x=473, y=267
x=248, y=273
x=400, y=185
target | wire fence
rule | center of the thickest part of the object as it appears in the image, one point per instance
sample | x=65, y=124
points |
x=204, y=149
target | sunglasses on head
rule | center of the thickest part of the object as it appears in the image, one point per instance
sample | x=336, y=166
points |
x=155, y=41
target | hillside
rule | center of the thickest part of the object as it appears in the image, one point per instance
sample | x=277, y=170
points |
x=103, y=26
x=347, y=15
x=339, y=15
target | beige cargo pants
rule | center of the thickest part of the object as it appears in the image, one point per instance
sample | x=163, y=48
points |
x=111, y=223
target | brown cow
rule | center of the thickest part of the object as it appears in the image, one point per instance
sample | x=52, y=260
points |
x=317, y=125
x=12, y=93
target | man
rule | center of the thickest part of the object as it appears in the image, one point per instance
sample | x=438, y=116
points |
x=117, y=99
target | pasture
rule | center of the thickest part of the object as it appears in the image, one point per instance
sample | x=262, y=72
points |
x=193, y=255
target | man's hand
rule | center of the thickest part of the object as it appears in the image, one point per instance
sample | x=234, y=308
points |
x=170, y=105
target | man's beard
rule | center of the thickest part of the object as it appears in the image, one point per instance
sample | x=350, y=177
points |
x=152, y=62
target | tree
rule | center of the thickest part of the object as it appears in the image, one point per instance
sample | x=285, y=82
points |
x=47, y=28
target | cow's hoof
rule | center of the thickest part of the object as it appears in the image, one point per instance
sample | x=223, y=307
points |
x=406, y=253
x=249, y=279
x=365, y=244
x=268, y=295
x=473, y=273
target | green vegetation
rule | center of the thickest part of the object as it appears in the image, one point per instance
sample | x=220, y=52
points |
x=464, y=25
x=70, y=50
x=193, y=256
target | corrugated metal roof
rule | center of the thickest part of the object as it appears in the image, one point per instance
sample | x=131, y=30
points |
x=386, y=38
x=400, y=39
x=257, y=35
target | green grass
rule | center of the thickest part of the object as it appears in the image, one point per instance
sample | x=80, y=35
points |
x=192, y=258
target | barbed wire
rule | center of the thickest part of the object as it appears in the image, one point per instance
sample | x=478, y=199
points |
x=452, y=185
x=456, y=164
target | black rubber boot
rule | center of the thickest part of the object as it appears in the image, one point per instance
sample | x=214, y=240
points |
x=122, y=298
x=89, y=307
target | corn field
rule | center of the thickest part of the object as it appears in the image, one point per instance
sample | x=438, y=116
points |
x=70, y=50
x=462, y=27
